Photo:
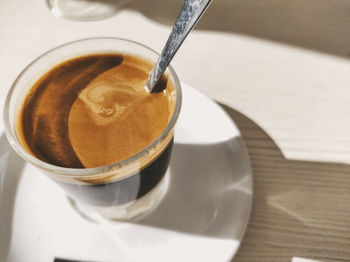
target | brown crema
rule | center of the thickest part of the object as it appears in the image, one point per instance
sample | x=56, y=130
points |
x=93, y=111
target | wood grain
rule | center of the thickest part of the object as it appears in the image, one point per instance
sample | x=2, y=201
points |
x=300, y=208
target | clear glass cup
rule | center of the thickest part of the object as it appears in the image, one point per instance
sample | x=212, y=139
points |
x=85, y=10
x=125, y=190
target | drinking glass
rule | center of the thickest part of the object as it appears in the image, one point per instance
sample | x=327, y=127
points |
x=85, y=10
x=125, y=190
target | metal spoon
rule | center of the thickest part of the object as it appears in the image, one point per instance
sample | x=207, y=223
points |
x=188, y=17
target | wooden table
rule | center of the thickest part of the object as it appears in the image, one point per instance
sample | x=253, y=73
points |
x=282, y=72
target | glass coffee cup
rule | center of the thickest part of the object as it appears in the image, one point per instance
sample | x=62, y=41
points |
x=123, y=190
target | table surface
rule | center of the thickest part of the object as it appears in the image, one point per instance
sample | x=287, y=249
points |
x=281, y=71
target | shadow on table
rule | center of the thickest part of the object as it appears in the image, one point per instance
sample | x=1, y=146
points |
x=11, y=166
x=300, y=208
x=321, y=25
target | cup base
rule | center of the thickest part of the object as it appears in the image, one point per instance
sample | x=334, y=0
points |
x=131, y=211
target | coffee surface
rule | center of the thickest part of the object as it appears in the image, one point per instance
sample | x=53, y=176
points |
x=93, y=111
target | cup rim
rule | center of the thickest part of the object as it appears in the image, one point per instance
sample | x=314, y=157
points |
x=76, y=173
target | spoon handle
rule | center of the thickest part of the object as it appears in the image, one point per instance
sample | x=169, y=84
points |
x=188, y=17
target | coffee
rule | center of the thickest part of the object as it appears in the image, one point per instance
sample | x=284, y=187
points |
x=103, y=193
x=81, y=115
x=93, y=111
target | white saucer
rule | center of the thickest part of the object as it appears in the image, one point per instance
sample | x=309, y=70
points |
x=202, y=218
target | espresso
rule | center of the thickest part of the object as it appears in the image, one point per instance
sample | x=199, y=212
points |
x=93, y=111
x=123, y=191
